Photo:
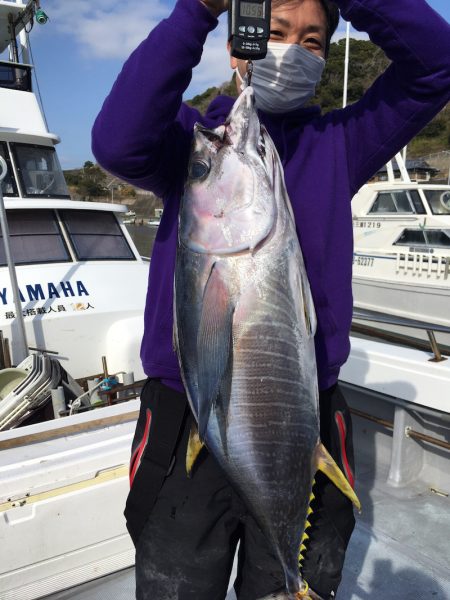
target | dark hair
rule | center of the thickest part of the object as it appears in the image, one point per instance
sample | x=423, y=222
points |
x=331, y=13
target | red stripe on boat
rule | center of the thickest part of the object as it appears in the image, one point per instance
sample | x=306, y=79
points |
x=342, y=429
x=137, y=454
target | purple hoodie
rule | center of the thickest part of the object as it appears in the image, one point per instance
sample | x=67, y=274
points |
x=143, y=135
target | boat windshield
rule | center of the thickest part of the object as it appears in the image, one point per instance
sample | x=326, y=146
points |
x=50, y=236
x=39, y=171
x=438, y=201
x=398, y=201
x=96, y=235
x=420, y=238
x=9, y=187
x=35, y=237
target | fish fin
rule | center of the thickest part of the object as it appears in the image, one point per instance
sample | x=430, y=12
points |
x=213, y=343
x=304, y=593
x=194, y=447
x=308, y=307
x=305, y=536
x=326, y=464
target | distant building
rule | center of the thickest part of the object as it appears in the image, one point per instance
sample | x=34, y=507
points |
x=418, y=169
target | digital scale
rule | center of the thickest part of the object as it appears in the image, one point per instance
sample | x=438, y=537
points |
x=249, y=28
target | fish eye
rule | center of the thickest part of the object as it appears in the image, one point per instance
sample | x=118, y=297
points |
x=198, y=169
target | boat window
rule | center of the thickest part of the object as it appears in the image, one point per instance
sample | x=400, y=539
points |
x=96, y=235
x=411, y=237
x=436, y=238
x=439, y=201
x=398, y=201
x=35, y=237
x=15, y=77
x=9, y=187
x=39, y=171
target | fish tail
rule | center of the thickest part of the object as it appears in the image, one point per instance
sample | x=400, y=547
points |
x=326, y=464
x=304, y=593
x=194, y=448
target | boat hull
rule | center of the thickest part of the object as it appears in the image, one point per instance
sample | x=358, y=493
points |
x=63, y=486
x=81, y=312
x=406, y=299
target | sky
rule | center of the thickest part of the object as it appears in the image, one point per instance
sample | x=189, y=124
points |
x=80, y=51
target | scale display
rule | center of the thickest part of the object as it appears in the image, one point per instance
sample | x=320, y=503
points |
x=252, y=10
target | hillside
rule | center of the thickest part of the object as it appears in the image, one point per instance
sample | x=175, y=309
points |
x=367, y=62
x=91, y=182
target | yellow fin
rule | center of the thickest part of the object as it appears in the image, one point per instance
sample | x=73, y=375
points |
x=194, y=448
x=326, y=464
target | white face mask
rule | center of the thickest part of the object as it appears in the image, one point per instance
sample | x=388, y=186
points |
x=286, y=78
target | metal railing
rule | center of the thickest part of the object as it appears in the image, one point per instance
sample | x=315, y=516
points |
x=385, y=319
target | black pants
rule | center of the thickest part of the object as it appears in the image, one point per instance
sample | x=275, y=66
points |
x=186, y=547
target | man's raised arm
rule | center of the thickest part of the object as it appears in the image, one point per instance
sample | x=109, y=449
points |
x=143, y=127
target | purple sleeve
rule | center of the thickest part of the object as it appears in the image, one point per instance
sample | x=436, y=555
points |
x=143, y=130
x=409, y=94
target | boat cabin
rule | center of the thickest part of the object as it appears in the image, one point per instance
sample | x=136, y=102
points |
x=410, y=214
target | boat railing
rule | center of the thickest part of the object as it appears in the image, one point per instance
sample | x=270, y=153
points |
x=422, y=262
x=373, y=316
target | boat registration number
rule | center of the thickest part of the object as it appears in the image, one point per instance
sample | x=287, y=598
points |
x=367, y=224
x=363, y=261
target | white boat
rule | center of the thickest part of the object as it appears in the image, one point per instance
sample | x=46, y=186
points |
x=79, y=304
x=401, y=263
x=81, y=280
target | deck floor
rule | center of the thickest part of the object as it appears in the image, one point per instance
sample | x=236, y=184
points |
x=400, y=549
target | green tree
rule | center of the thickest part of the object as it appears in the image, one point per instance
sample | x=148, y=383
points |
x=92, y=181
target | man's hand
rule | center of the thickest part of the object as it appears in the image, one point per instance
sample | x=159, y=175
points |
x=215, y=7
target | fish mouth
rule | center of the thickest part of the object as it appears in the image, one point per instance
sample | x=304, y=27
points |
x=244, y=102
x=242, y=127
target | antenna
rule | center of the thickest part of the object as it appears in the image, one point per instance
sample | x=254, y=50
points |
x=31, y=11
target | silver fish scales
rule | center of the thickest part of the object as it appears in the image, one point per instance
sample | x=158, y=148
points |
x=244, y=328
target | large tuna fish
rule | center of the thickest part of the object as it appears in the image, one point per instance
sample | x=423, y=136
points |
x=244, y=328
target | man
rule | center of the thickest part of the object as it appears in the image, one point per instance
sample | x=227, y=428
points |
x=186, y=530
